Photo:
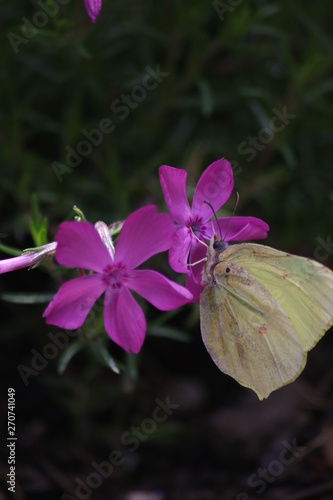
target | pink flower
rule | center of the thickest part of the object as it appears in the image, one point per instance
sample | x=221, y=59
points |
x=27, y=259
x=93, y=8
x=215, y=185
x=144, y=234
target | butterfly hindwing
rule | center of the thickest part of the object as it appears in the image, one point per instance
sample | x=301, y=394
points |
x=247, y=333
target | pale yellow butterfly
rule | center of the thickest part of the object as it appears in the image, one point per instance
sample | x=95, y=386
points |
x=261, y=311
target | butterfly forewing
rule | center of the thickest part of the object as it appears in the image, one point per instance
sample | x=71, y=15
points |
x=302, y=287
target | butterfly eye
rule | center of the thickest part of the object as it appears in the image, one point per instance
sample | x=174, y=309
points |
x=227, y=270
x=220, y=246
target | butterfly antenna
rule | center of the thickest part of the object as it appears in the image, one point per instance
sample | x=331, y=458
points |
x=233, y=213
x=217, y=221
x=214, y=213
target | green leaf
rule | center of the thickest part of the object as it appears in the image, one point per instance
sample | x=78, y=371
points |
x=38, y=225
x=10, y=250
x=103, y=355
x=27, y=298
x=69, y=353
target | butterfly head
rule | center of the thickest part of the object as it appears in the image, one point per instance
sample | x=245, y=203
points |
x=216, y=247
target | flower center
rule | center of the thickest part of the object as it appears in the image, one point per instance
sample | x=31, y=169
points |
x=114, y=276
x=197, y=227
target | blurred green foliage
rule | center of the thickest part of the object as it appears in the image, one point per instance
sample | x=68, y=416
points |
x=224, y=75
x=227, y=70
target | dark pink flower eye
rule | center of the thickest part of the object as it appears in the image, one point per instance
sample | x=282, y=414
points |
x=198, y=227
x=115, y=277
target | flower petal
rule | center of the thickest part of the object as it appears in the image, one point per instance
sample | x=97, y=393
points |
x=161, y=292
x=215, y=185
x=79, y=245
x=194, y=288
x=72, y=303
x=28, y=258
x=241, y=228
x=144, y=233
x=173, y=183
x=193, y=279
x=19, y=262
x=197, y=260
x=124, y=320
x=180, y=249
x=93, y=8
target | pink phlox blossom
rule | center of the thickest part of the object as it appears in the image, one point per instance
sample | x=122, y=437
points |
x=194, y=223
x=144, y=234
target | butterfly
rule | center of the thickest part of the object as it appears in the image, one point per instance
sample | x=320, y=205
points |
x=261, y=311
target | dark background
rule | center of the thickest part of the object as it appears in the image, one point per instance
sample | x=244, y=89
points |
x=232, y=66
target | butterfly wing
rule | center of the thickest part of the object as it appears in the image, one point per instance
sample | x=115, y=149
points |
x=302, y=287
x=246, y=331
